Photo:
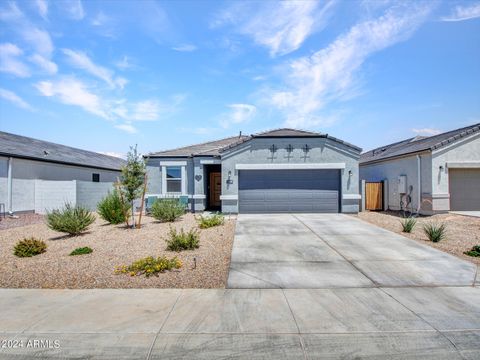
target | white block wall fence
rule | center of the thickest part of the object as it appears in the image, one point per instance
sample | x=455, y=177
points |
x=51, y=195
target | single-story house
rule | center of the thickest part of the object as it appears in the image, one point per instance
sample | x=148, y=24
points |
x=283, y=170
x=433, y=174
x=31, y=168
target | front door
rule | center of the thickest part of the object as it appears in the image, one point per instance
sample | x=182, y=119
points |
x=215, y=189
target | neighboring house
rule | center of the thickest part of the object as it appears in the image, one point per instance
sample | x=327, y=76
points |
x=438, y=173
x=34, y=172
x=282, y=170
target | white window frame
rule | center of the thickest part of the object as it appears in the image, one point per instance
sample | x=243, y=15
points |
x=183, y=176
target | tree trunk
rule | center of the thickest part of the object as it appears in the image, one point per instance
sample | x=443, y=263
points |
x=139, y=225
x=133, y=216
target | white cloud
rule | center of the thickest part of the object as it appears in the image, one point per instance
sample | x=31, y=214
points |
x=282, y=26
x=461, y=13
x=71, y=91
x=185, y=48
x=10, y=62
x=42, y=6
x=38, y=39
x=427, y=131
x=100, y=19
x=80, y=60
x=74, y=9
x=147, y=110
x=45, y=64
x=329, y=75
x=14, y=99
x=114, y=154
x=239, y=113
x=124, y=63
x=129, y=128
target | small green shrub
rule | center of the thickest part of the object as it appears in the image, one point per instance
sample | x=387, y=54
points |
x=81, y=251
x=112, y=209
x=474, y=252
x=182, y=240
x=149, y=266
x=205, y=222
x=408, y=224
x=435, y=232
x=167, y=210
x=72, y=220
x=29, y=247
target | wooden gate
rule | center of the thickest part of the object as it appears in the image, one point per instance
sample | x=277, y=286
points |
x=374, y=196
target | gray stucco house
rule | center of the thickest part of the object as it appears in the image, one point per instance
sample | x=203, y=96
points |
x=438, y=173
x=283, y=170
x=36, y=175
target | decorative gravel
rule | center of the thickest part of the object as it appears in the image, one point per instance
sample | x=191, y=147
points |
x=20, y=220
x=463, y=232
x=115, y=245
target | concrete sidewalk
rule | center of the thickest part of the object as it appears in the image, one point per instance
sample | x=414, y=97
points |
x=298, y=251
x=350, y=323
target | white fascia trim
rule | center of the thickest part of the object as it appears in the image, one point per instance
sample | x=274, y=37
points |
x=170, y=196
x=351, y=196
x=199, y=196
x=228, y=197
x=173, y=163
x=463, y=164
x=210, y=161
x=305, y=166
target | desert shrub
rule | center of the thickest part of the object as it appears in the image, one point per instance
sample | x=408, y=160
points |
x=408, y=224
x=150, y=266
x=205, y=222
x=81, y=251
x=112, y=209
x=475, y=251
x=29, y=247
x=178, y=241
x=167, y=210
x=72, y=220
x=435, y=232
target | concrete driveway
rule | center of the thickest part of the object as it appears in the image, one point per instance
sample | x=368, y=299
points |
x=335, y=251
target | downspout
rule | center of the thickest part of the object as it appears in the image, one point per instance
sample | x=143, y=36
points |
x=9, y=187
x=419, y=185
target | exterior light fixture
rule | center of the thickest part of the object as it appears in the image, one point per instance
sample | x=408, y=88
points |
x=440, y=167
x=229, y=177
x=350, y=173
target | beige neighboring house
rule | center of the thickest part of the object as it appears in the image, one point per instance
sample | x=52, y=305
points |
x=437, y=173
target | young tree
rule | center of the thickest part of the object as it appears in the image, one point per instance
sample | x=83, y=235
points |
x=133, y=178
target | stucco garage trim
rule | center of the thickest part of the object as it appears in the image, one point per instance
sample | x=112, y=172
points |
x=290, y=166
x=463, y=164
x=351, y=196
x=228, y=197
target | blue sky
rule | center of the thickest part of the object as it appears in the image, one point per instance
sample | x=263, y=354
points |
x=103, y=75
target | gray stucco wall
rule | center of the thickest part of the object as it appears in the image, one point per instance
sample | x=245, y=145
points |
x=392, y=169
x=25, y=172
x=322, y=150
x=465, y=150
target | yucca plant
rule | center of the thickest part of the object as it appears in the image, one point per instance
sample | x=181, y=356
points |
x=435, y=232
x=408, y=224
x=72, y=220
x=182, y=240
x=475, y=251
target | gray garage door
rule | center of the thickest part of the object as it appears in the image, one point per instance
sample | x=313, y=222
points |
x=271, y=191
x=464, y=189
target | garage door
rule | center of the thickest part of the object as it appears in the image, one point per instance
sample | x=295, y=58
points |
x=464, y=189
x=271, y=191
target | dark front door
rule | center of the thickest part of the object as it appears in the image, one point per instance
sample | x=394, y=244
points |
x=215, y=189
x=272, y=191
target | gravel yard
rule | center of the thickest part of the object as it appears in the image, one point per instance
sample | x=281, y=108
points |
x=20, y=220
x=114, y=245
x=463, y=232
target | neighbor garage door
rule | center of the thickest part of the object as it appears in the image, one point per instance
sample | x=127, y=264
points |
x=270, y=191
x=464, y=189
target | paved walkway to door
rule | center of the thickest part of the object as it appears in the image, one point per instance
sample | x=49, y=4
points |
x=335, y=251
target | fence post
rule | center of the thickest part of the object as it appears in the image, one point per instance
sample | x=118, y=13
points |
x=363, y=194
x=385, y=194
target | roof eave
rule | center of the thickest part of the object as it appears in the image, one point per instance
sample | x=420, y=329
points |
x=394, y=157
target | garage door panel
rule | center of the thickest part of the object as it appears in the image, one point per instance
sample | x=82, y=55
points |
x=289, y=191
x=464, y=189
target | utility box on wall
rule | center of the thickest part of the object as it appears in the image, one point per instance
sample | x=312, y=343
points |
x=402, y=184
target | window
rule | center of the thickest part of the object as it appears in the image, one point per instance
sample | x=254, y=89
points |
x=174, y=179
x=96, y=177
